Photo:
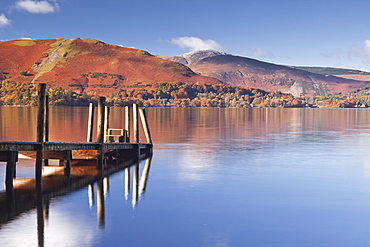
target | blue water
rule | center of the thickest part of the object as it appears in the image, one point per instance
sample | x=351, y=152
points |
x=228, y=177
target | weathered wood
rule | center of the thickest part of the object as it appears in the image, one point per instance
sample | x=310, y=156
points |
x=62, y=146
x=101, y=118
x=144, y=122
x=10, y=169
x=45, y=161
x=90, y=124
x=101, y=134
x=46, y=119
x=106, y=122
x=127, y=123
x=40, y=134
x=136, y=123
x=19, y=146
x=41, y=112
x=67, y=164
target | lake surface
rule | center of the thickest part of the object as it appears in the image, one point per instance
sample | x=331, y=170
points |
x=218, y=177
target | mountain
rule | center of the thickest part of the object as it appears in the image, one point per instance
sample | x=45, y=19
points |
x=88, y=65
x=339, y=72
x=190, y=57
x=247, y=72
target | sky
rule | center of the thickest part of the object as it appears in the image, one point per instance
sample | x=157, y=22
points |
x=330, y=33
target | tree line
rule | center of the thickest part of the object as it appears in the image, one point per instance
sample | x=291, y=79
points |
x=177, y=95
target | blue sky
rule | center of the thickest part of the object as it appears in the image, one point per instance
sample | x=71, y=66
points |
x=332, y=33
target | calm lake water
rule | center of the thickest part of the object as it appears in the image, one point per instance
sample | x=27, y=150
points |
x=218, y=177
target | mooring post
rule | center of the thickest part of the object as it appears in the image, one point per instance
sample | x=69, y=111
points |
x=100, y=133
x=90, y=123
x=10, y=170
x=106, y=122
x=46, y=126
x=40, y=135
x=136, y=123
x=127, y=123
x=145, y=124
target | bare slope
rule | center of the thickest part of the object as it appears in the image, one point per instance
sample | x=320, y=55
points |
x=88, y=65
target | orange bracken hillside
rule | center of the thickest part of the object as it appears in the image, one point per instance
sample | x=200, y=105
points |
x=88, y=65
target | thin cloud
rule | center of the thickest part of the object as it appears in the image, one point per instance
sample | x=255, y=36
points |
x=262, y=53
x=195, y=44
x=37, y=7
x=4, y=21
x=333, y=55
x=363, y=52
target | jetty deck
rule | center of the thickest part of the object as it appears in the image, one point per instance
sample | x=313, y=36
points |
x=109, y=154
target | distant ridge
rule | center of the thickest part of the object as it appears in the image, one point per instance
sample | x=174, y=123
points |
x=331, y=71
x=248, y=72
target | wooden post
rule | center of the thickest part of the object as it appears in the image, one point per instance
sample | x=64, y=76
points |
x=101, y=118
x=144, y=122
x=106, y=122
x=10, y=170
x=136, y=123
x=67, y=165
x=46, y=134
x=90, y=123
x=40, y=135
x=46, y=131
x=100, y=134
x=127, y=123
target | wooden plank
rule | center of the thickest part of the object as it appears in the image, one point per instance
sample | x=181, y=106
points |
x=19, y=146
x=6, y=156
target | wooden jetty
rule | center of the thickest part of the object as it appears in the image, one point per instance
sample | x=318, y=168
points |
x=111, y=152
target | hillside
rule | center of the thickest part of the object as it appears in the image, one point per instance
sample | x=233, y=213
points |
x=88, y=65
x=339, y=72
x=247, y=72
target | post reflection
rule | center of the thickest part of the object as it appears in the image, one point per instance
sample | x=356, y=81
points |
x=144, y=176
x=127, y=182
x=135, y=183
x=42, y=207
x=91, y=195
x=100, y=202
x=106, y=185
x=96, y=196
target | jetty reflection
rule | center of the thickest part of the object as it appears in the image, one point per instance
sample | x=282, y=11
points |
x=16, y=202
